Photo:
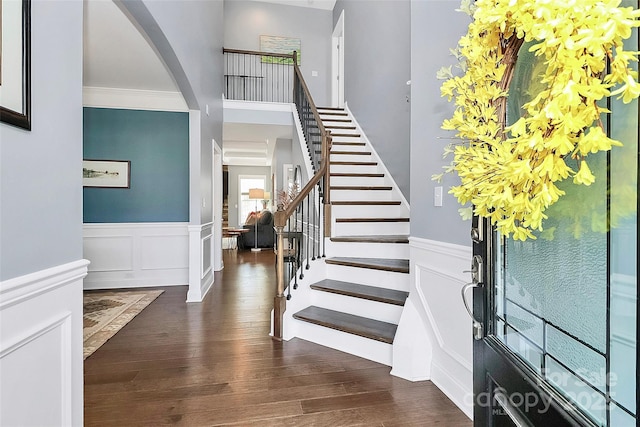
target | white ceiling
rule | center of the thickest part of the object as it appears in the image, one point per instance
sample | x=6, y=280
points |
x=117, y=56
x=316, y=4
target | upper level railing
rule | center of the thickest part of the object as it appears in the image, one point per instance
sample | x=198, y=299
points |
x=258, y=76
x=303, y=216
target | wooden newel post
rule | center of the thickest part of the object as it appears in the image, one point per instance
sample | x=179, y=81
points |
x=280, y=301
x=327, y=185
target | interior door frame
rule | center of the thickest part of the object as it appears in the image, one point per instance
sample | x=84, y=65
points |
x=337, y=63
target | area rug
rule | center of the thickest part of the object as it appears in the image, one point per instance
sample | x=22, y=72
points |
x=106, y=312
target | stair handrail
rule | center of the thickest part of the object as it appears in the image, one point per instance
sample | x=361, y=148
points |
x=257, y=53
x=284, y=213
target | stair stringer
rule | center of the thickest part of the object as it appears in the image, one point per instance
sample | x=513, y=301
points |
x=304, y=149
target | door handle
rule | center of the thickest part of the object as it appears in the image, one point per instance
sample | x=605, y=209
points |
x=477, y=267
x=478, y=331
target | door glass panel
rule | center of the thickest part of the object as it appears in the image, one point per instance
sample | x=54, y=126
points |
x=623, y=251
x=565, y=303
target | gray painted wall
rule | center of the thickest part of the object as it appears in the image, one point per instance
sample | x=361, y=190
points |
x=435, y=27
x=377, y=67
x=234, y=173
x=188, y=35
x=246, y=21
x=40, y=180
x=281, y=156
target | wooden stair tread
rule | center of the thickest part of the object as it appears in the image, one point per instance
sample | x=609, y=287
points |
x=331, y=108
x=348, y=143
x=356, y=325
x=372, y=219
x=357, y=175
x=347, y=135
x=354, y=153
x=365, y=202
x=355, y=163
x=372, y=239
x=339, y=127
x=333, y=113
x=360, y=187
x=370, y=293
x=395, y=265
x=333, y=119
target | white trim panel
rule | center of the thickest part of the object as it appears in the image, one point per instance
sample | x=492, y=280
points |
x=41, y=347
x=130, y=255
x=200, y=261
x=437, y=276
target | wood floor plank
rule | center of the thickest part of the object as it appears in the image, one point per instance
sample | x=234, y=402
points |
x=336, y=403
x=213, y=364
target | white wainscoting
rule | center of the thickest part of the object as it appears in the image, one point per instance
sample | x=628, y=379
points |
x=200, y=261
x=41, y=347
x=437, y=276
x=131, y=255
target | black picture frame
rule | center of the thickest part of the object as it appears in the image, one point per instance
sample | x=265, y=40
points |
x=106, y=173
x=10, y=114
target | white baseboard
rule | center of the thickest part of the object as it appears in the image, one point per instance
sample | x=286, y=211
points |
x=41, y=346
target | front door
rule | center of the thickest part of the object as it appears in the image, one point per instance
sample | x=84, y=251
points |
x=556, y=317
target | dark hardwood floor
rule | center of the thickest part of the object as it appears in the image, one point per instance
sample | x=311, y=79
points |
x=213, y=363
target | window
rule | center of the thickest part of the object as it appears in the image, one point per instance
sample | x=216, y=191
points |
x=246, y=206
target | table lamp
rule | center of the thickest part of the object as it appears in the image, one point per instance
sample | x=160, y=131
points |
x=256, y=194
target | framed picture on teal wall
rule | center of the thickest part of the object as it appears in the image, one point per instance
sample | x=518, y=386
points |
x=106, y=173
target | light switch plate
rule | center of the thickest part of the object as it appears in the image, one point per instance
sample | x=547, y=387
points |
x=437, y=196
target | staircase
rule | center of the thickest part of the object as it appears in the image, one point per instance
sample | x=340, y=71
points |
x=354, y=301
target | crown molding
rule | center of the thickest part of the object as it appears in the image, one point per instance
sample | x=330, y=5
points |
x=133, y=99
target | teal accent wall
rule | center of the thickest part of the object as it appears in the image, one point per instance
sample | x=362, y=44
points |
x=157, y=144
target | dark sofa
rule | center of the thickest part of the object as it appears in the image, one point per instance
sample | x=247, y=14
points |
x=266, y=234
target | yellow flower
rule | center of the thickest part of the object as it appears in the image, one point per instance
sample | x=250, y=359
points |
x=584, y=175
x=510, y=174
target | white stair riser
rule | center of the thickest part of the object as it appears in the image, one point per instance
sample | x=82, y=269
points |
x=356, y=148
x=367, y=276
x=357, y=306
x=351, y=158
x=357, y=180
x=362, y=347
x=369, y=228
x=365, y=211
x=372, y=250
x=347, y=138
x=364, y=195
x=333, y=121
x=326, y=117
x=354, y=168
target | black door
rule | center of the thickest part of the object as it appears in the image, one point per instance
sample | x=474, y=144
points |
x=556, y=325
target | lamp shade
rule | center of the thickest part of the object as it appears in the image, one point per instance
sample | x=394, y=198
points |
x=256, y=194
x=267, y=195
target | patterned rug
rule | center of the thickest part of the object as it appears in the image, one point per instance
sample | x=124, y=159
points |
x=106, y=312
